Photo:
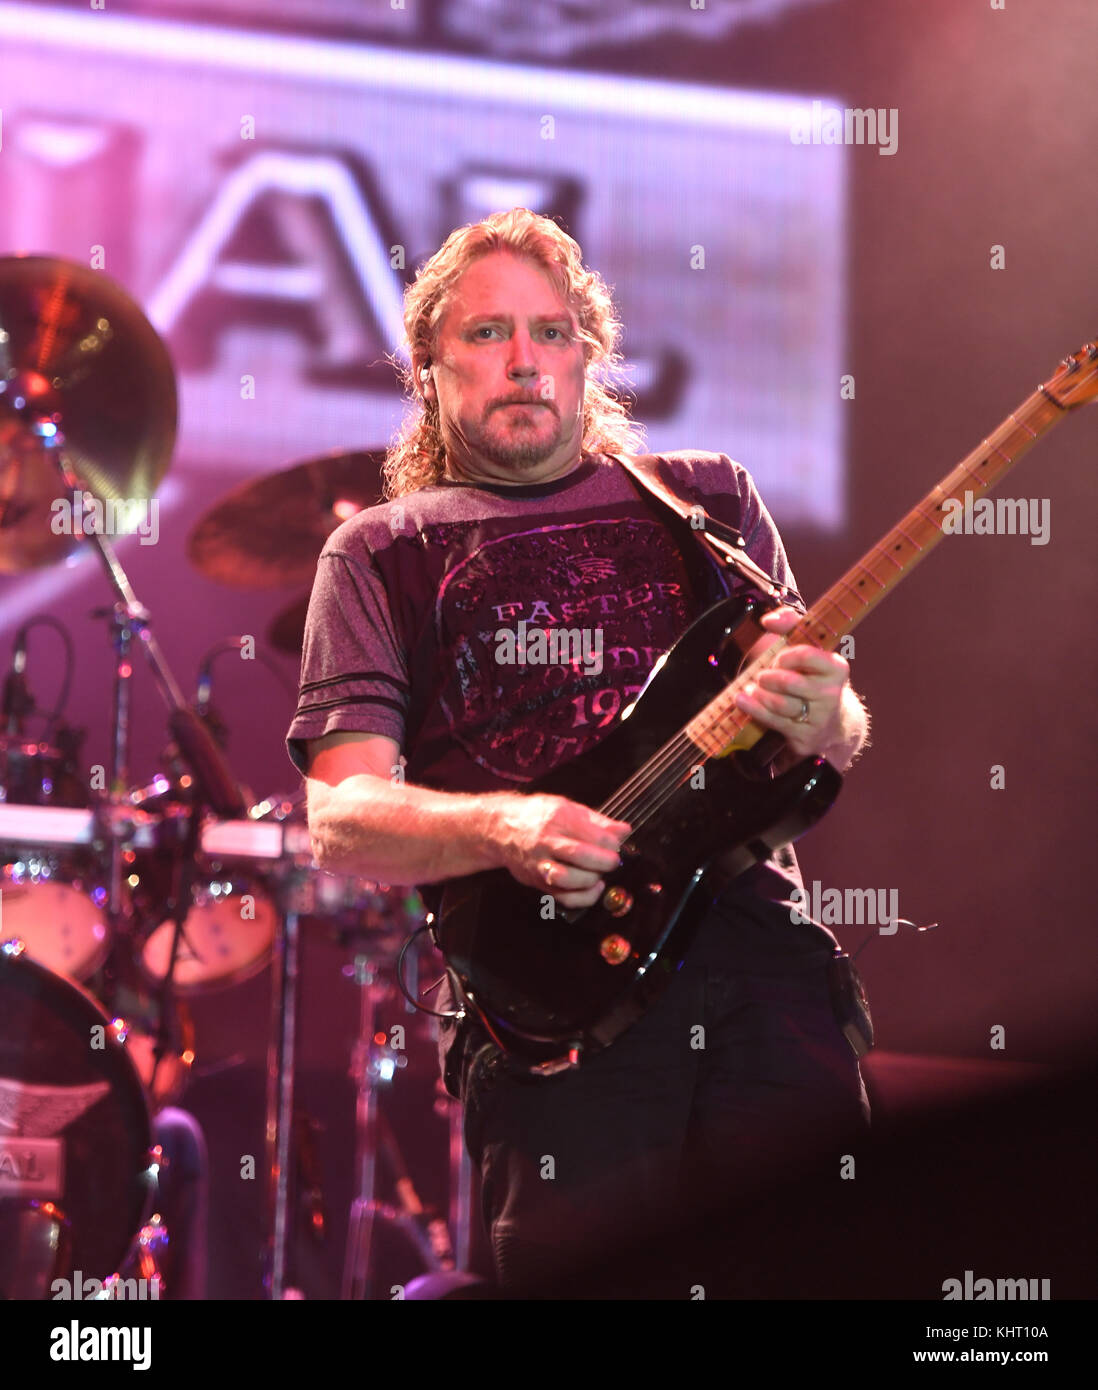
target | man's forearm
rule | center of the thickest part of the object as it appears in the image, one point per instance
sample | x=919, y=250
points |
x=396, y=833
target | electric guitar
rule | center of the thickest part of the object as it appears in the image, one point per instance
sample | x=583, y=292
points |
x=551, y=985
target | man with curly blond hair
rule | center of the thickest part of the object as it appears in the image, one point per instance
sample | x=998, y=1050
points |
x=508, y=511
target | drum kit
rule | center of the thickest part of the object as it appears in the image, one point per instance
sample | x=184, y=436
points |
x=121, y=905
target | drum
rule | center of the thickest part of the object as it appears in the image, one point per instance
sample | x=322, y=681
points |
x=75, y=1133
x=39, y=774
x=227, y=934
x=53, y=895
x=350, y=901
x=362, y=911
x=165, y=1079
x=50, y=900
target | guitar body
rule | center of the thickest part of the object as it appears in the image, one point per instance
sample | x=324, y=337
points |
x=545, y=980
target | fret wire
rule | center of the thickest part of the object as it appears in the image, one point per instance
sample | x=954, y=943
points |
x=930, y=520
x=907, y=538
x=851, y=589
x=879, y=582
x=972, y=473
x=841, y=609
x=820, y=622
x=887, y=555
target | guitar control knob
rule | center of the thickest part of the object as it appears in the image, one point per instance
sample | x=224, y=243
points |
x=614, y=949
x=617, y=901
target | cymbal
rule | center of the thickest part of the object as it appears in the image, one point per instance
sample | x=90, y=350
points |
x=270, y=532
x=287, y=632
x=81, y=370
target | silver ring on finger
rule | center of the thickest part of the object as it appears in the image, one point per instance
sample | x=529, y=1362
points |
x=546, y=867
x=802, y=718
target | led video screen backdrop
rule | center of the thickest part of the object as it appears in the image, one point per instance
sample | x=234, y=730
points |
x=266, y=198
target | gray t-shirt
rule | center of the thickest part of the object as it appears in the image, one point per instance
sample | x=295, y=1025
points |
x=403, y=639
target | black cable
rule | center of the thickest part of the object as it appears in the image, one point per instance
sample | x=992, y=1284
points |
x=46, y=620
x=901, y=922
x=434, y=1013
x=232, y=644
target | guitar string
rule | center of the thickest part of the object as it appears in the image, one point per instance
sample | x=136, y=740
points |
x=649, y=776
x=662, y=762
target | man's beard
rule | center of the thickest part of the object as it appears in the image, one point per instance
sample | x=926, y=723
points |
x=520, y=449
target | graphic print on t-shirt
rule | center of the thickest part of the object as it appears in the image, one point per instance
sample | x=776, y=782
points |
x=552, y=632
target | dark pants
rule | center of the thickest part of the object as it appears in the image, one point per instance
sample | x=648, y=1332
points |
x=726, y=1079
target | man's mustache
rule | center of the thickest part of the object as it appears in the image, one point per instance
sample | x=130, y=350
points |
x=523, y=400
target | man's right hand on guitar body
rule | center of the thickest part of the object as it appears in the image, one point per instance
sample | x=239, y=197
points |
x=364, y=819
x=557, y=845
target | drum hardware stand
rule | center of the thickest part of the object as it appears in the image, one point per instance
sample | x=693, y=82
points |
x=369, y=1065
x=281, y=1062
x=372, y=1067
x=427, y=1230
x=306, y=1128
x=116, y=830
x=128, y=617
x=149, y=1250
x=183, y=882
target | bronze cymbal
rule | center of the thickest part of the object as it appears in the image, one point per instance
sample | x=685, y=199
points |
x=287, y=632
x=270, y=532
x=81, y=371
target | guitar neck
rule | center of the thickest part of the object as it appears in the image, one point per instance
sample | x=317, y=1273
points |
x=721, y=728
x=879, y=571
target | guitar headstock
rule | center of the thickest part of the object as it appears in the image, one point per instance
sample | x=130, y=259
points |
x=1076, y=381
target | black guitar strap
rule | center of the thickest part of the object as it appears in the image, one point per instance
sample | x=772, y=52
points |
x=719, y=542
x=721, y=549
